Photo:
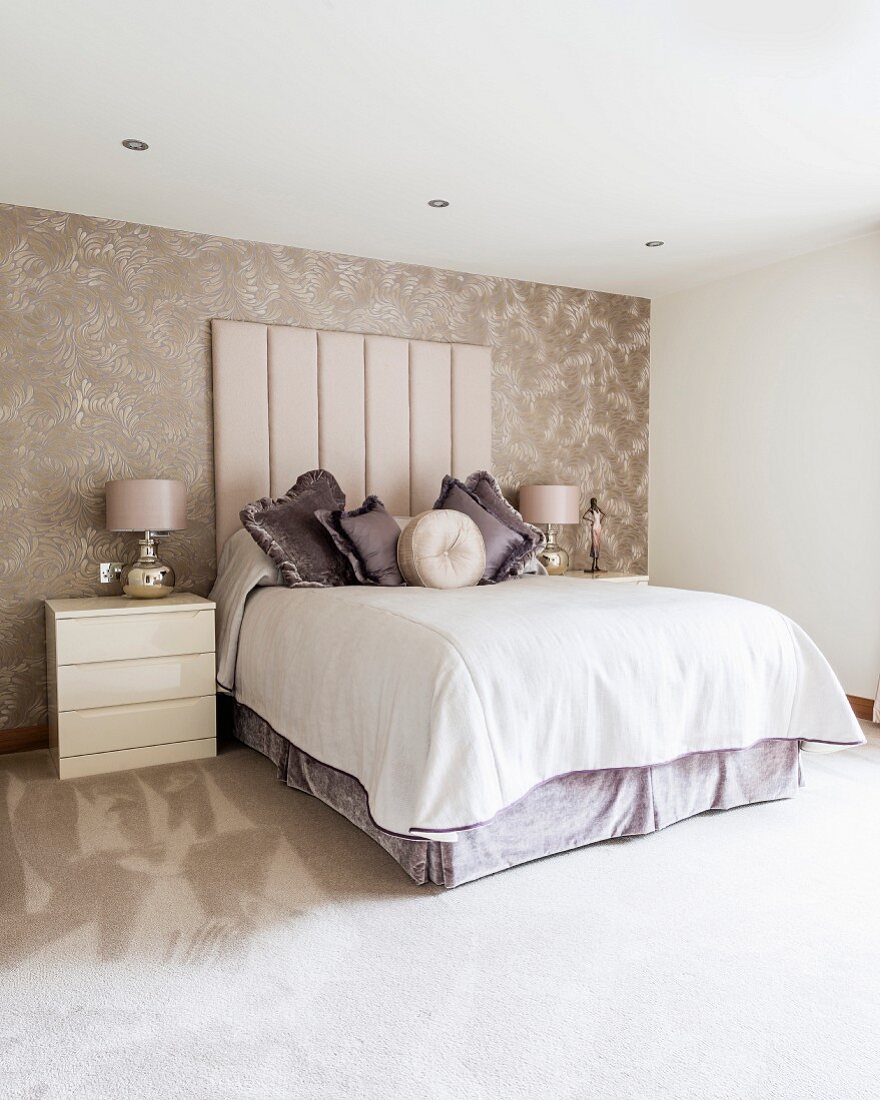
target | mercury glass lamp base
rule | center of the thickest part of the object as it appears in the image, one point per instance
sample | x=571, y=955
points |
x=554, y=559
x=148, y=578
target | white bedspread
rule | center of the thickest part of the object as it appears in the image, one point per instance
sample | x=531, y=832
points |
x=450, y=705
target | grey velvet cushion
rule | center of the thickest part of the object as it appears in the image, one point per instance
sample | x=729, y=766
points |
x=367, y=537
x=287, y=530
x=507, y=547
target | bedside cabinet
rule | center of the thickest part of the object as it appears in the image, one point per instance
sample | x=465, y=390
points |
x=131, y=682
x=616, y=578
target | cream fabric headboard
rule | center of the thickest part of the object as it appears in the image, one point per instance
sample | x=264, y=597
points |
x=385, y=415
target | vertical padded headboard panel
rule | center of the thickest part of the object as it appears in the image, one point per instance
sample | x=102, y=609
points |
x=341, y=433
x=385, y=415
x=241, y=421
x=430, y=420
x=293, y=405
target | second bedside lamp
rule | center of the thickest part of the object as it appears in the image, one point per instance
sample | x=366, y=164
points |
x=153, y=506
x=549, y=506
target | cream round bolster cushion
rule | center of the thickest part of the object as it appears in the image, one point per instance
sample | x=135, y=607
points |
x=441, y=549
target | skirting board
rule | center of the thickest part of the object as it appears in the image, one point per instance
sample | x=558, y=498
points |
x=862, y=708
x=37, y=737
x=24, y=739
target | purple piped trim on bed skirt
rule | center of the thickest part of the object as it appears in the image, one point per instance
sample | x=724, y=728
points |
x=628, y=768
x=241, y=709
x=556, y=816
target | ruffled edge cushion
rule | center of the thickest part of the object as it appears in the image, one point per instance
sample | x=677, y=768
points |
x=367, y=537
x=509, y=540
x=288, y=532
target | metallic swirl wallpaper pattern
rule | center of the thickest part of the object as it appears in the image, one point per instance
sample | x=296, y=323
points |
x=105, y=373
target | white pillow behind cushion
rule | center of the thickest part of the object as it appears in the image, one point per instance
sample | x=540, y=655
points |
x=441, y=549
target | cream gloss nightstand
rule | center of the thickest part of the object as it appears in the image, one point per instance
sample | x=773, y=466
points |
x=131, y=682
x=616, y=578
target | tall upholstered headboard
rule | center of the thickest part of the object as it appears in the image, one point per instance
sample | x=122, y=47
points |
x=385, y=415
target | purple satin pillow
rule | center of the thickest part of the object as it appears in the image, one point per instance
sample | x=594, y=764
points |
x=487, y=490
x=367, y=537
x=508, y=543
x=288, y=532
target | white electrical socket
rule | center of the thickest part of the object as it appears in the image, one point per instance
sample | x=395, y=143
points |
x=110, y=572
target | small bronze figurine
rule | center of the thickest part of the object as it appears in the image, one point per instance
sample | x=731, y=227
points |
x=594, y=516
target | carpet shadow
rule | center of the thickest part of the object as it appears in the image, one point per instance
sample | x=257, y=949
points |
x=190, y=862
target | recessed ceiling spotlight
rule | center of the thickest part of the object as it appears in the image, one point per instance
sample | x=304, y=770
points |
x=135, y=145
x=438, y=204
x=654, y=244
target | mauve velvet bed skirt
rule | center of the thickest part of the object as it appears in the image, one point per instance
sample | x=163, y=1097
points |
x=561, y=814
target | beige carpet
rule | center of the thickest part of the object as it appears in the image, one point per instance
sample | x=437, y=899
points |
x=201, y=931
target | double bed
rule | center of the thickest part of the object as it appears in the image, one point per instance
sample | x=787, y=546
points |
x=470, y=730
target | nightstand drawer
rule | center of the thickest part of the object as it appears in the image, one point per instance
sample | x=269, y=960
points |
x=109, y=729
x=115, y=683
x=124, y=637
x=98, y=763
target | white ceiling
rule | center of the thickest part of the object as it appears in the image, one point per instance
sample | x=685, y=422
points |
x=565, y=133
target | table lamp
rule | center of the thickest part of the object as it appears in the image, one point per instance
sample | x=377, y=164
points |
x=154, y=506
x=548, y=506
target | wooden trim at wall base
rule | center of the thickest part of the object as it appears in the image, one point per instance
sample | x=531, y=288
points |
x=24, y=739
x=862, y=708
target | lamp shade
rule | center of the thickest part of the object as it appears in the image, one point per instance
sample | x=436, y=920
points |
x=145, y=504
x=550, y=503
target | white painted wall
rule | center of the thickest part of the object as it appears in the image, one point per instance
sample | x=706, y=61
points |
x=765, y=446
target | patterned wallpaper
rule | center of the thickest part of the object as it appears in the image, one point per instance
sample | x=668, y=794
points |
x=105, y=372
